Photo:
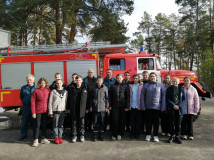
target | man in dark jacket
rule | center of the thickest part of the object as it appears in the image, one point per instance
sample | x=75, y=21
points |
x=127, y=76
x=119, y=101
x=89, y=81
x=25, y=96
x=108, y=81
x=77, y=96
x=99, y=105
x=175, y=100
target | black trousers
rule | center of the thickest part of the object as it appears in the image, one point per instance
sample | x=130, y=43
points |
x=187, y=125
x=143, y=121
x=174, y=122
x=135, y=120
x=152, y=120
x=99, y=121
x=88, y=120
x=118, y=124
x=164, y=122
x=78, y=126
x=108, y=120
x=127, y=120
x=41, y=120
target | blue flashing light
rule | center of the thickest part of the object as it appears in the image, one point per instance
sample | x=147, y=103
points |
x=141, y=49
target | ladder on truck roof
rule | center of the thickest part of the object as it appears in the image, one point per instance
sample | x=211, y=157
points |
x=59, y=48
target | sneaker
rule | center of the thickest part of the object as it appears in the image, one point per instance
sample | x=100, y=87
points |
x=171, y=138
x=82, y=139
x=35, y=143
x=163, y=134
x=177, y=140
x=148, y=138
x=190, y=138
x=168, y=135
x=184, y=137
x=119, y=137
x=74, y=139
x=156, y=139
x=60, y=140
x=57, y=140
x=45, y=141
x=113, y=138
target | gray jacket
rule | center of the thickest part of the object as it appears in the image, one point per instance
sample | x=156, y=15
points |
x=57, y=102
x=153, y=96
x=99, y=98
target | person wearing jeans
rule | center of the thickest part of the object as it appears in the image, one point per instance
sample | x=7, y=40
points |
x=39, y=109
x=99, y=105
x=57, y=109
x=78, y=99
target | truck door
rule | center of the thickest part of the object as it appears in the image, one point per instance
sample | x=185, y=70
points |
x=147, y=64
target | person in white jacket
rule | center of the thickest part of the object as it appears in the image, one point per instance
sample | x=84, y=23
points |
x=192, y=107
x=57, y=109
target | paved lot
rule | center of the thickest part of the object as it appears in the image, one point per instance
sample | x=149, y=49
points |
x=202, y=147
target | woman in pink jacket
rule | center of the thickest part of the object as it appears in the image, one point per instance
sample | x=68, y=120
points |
x=192, y=107
x=39, y=109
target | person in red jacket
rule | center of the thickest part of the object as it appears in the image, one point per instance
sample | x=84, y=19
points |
x=39, y=109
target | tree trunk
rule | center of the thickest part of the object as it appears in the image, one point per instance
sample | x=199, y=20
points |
x=58, y=24
x=41, y=26
x=195, y=39
x=73, y=30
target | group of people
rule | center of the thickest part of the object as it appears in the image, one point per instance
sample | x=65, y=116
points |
x=96, y=103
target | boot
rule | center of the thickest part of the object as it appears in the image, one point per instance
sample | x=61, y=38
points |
x=94, y=136
x=177, y=140
x=101, y=136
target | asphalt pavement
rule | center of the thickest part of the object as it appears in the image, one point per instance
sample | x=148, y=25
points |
x=201, y=148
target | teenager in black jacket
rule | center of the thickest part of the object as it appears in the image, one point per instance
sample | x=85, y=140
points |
x=119, y=99
x=77, y=96
x=53, y=85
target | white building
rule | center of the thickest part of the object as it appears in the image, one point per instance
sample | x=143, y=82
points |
x=4, y=38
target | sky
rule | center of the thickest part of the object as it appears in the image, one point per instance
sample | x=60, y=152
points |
x=153, y=7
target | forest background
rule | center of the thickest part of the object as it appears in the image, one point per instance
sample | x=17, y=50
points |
x=184, y=41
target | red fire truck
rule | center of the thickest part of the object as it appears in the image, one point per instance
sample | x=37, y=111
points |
x=45, y=61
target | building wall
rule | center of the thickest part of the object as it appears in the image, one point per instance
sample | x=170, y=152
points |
x=4, y=38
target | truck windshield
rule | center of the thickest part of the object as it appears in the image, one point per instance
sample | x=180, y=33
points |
x=158, y=63
x=145, y=64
